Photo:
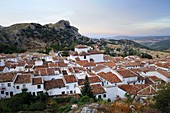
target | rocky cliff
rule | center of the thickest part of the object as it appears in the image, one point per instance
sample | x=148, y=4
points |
x=36, y=37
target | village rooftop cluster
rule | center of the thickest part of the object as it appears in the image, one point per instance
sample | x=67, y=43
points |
x=109, y=77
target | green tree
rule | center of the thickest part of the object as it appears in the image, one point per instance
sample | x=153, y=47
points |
x=163, y=99
x=86, y=89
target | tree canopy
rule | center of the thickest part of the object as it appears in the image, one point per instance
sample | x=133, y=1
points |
x=163, y=99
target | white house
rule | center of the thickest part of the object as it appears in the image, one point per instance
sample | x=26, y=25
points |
x=55, y=87
x=128, y=76
x=7, y=85
x=71, y=84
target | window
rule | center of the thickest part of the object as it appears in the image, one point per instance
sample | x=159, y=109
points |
x=24, y=86
x=84, y=56
x=7, y=93
x=104, y=95
x=2, y=92
x=67, y=87
x=38, y=86
x=71, y=92
x=33, y=93
x=17, y=87
x=63, y=92
x=74, y=85
x=74, y=91
x=9, y=84
x=99, y=97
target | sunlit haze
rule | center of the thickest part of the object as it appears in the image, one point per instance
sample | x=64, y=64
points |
x=94, y=18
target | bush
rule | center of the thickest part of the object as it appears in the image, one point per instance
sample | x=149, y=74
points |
x=65, y=109
x=73, y=100
x=85, y=99
x=62, y=100
x=37, y=106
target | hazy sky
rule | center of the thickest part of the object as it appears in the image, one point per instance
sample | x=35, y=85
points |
x=93, y=17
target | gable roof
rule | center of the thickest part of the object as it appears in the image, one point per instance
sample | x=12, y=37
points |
x=164, y=73
x=112, y=78
x=7, y=77
x=23, y=79
x=94, y=79
x=97, y=89
x=37, y=81
x=57, y=83
x=132, y=89
x=126, y=73
x=70, y=78
x=98, y=68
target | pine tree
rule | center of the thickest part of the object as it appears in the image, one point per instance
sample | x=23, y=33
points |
x=86, y=89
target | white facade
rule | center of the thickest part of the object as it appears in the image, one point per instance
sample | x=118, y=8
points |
x=79, y=50
x=97, y=57
x=7, y=89
x=56, y=91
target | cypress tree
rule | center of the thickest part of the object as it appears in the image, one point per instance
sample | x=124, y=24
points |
x=86, y=89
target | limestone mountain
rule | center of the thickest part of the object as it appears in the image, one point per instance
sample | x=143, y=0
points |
x=36, y=37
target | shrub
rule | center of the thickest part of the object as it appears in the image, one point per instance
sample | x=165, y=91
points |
x=37, y=106
x=85, y=99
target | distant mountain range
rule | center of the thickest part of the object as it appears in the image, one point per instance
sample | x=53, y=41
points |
x=154, y=42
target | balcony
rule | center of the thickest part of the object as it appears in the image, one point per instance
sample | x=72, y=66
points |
x=24, y=89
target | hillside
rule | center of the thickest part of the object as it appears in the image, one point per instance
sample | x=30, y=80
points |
x=155, y=42
x=36, y=37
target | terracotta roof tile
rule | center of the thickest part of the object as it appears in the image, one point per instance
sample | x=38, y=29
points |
x=126, y=73
x=57, y=83
x=23, y=79
x=110, y=77
x=37, y=81
x=2, y=68
x=70, y=78
x=164, y=73
x=94, y=79
x=132, y=89
x=154, y=78
x=82, y=62
x=109, y=64
x=95, y=52
x=89, y=64
x=99, y=67
x=97, y=89
x=7, y=77
x=81, y=46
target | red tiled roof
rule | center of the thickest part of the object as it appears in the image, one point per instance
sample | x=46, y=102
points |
x=70, y=78
x=23, y=79
x=7, y=77
x=109, y=77
x=37, y=81
x=57, y=83
x=81, y=46
x=109, y=64
x=154, y=78
x=94, y=79
x=164, y=73
x=99, y=67
x=97, y=89
x=2, y=68
x=126, y=73
x=82, y=62
x=89, y=64
x=95, y=52
x=132, y=89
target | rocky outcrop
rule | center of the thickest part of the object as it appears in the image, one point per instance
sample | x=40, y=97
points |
x=33, y=36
